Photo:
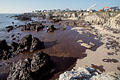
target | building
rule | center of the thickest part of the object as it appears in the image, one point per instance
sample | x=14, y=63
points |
x=116, y=8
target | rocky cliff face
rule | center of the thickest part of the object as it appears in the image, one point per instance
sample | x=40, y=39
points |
x=110, y=21
x=94, y=19
x=88, y=74
x=113, y=22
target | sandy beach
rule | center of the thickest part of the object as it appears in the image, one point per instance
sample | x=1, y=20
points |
x=104, y=59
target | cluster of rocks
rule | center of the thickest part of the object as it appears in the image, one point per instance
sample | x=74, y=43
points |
x=113, y=44
x=108, y=22
x=94, y=19
x=55, y=19
x=113, y=23
x=78, y=23
x=37, y=68
x=36, y=26
x=32, y=27
x=28, y=43
x=24, y=17
x=87, y=73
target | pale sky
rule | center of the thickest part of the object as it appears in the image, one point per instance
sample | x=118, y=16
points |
x=21, y=6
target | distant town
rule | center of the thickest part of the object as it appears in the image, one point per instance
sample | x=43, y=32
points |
x=90, y=9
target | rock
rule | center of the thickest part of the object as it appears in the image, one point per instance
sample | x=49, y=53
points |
x=3, y=45
x=79, y=74
x=4, y=49
x=26, y=42
x=20, y=70
x=86, y=45
x=14, y=46
x=63, y=28
x=56, y=20
x=51, y=28
x=41, y=65
x=31, y=44
x=88, y=73
x=37, y=68
x=113, y=24
x=32, y=26
x=12, y=22
x=80, y=41
x=92, y=44
x=40, y=27
x=23, y=18
x=36, y=44
x=94, y=19
x=106, y=76
x=9, y=28
x=12, y=35
x=13, y=39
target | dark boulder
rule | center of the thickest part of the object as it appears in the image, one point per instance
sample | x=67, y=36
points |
x=37, y=68
x=51, y=28
x=26, y=42
x=31, y=44
x=36, y=44
x=41, y=66
x=9, y=28
x=4, y=49
x=3, y=45
x=57, y=19
x=39, y=27
x=20, y=70
x=12, y=35
x=14, y=46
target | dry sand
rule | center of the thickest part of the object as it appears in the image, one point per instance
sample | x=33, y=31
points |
x=101, y=53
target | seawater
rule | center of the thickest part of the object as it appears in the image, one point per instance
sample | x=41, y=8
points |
x=7, y=19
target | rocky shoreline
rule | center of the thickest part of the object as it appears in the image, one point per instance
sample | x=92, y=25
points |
x=54, y=40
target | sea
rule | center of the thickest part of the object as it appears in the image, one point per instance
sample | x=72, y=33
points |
x=7, y=20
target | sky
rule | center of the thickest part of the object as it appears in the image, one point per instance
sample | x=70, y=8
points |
x=22, y=6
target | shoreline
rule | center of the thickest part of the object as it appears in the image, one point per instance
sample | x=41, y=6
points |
x=68, y=46
x=97, y=57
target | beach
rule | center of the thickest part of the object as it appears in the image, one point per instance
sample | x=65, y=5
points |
x=71, y=42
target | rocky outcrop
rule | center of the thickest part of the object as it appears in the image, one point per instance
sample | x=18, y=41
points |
x=23, y=17
x=113, y=24
x=9, y=28
x=36, y=44
x=4, y=49
x=51, y=28
x=78, y=23
x=32, y=27
x=94, y=19
x=28, y=43
x=87, y=74
x=106, y=76
x=31, y=44
x=109, y=21
x=37, y=68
